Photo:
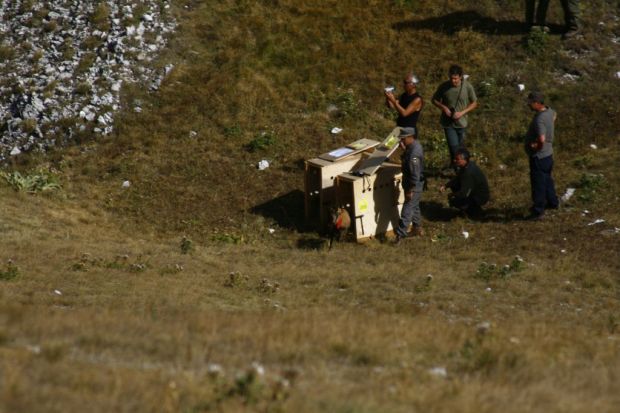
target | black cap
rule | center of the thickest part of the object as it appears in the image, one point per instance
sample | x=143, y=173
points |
x=536, y=96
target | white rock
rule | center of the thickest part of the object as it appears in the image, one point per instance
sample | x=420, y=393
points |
x=15, y=151
x=57, y=292
x=568, y=194
x=596, y=221
x=593, y=146
x=438, y=372
x=521, y=87
x=262, y=165
x=465, y=234
x=336, y=130
x=126, y=184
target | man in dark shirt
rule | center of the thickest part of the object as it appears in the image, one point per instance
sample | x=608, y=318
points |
x=409, y=104
x=470, y=188
x=412, y=166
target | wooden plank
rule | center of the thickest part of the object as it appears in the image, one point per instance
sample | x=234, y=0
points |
x=353, y=148
x=381, y=154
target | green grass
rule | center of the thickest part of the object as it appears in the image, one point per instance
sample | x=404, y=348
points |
x=173, y=295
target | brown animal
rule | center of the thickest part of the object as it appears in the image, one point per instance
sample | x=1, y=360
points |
x=339, y=225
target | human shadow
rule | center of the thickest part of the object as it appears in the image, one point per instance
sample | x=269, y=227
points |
x=287, y=211
x=454, y=22
x=437, y=212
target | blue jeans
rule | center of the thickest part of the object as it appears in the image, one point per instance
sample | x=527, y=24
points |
x=455, y=138
x=543, y=187
x=410, y=214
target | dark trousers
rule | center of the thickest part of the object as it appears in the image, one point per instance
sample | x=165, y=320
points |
x=467, y=205
x=455, y=138
x=538, y=15
x=543, y=187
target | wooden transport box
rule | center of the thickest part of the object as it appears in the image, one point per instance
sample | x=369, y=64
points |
x=373, y=201
x=320, y=192
x=320, y=177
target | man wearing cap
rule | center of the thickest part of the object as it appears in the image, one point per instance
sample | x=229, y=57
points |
x=455, y=98
x=409, y=104
x=470, y=188
x=538, y=146
x=412, y=166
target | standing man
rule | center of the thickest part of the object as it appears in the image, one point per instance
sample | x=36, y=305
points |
x=571, y=15
x=470, y=188
x=538, y=146
x=412, y=166
x=455, y=98
x=409, y=104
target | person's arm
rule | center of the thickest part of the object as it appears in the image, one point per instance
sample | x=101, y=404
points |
x=469, y=108
x=414, y=106
x=389, y=98
x=438, y=101
x=541, y=130
x=471, y=96
x=466, y=186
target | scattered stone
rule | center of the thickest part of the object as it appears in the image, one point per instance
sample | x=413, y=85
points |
x=568, y=194
x=438, y=372
x=126, y=184
x=262, y=165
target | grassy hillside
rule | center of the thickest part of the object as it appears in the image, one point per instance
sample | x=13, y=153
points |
x=173, y=295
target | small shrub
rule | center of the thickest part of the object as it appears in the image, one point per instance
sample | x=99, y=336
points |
x=535, y=43
x=233, y=131
x=590, y=185
x=262, y=141
x=347, y=105
x=39, y=181
x=83, y=88
x=85, y=63
x=100, y=17
x=10, y=272
x=6, y=52
x=436, y=154
x=488, y=271
x=186, y=245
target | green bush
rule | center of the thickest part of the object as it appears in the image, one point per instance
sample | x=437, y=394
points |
x=39, y=181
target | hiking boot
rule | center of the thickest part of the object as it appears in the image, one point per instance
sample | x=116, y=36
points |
x=417, y=231
x=571, y=33
x=535, y=217
x=397, y=241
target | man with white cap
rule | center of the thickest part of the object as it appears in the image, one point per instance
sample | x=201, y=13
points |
x=409, y=104
x=412, y=166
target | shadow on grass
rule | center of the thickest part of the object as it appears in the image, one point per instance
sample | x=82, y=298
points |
x=287, y=211
x=469, y=19
x=437, y=212
x=312, y=244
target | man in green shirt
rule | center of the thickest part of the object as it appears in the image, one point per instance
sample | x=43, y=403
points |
x=455, y=98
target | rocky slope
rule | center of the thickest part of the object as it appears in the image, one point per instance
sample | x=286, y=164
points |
x=63, y=64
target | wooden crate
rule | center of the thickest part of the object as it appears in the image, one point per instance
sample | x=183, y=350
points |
x=374, y=202
x=319, y=190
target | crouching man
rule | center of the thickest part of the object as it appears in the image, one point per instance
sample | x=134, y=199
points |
x=470, y=188
x=412, y=166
